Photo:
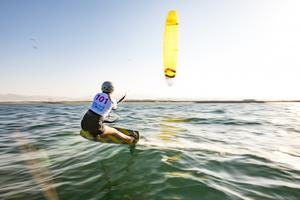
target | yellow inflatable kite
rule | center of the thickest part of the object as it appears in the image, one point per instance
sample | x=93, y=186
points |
x=170, y=51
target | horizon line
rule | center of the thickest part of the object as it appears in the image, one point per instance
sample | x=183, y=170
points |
x=156, y=101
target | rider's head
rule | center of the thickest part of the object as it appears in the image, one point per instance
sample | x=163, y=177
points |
x=107, y=87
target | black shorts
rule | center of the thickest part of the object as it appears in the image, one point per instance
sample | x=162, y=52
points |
x=92, y=123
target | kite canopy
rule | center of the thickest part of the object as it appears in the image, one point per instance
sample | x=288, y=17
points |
x=170, y=51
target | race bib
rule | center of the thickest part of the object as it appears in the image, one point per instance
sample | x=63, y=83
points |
x=101, y=104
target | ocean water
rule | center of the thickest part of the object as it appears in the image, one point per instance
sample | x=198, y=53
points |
x=186, y=151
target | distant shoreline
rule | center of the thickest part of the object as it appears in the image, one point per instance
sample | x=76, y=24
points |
x=153, y=101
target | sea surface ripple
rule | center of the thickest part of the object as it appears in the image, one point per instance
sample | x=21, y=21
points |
x=248, y=151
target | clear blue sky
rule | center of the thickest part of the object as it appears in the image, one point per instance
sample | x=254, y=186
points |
x=228, y=49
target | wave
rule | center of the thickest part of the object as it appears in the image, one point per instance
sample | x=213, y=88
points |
x=213, y=121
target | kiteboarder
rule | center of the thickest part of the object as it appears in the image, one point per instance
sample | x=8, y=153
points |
x=101, y=106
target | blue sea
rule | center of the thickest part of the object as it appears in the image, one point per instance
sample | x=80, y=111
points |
x=213, y=151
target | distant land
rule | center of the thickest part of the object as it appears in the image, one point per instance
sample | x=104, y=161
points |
x=16, y=98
